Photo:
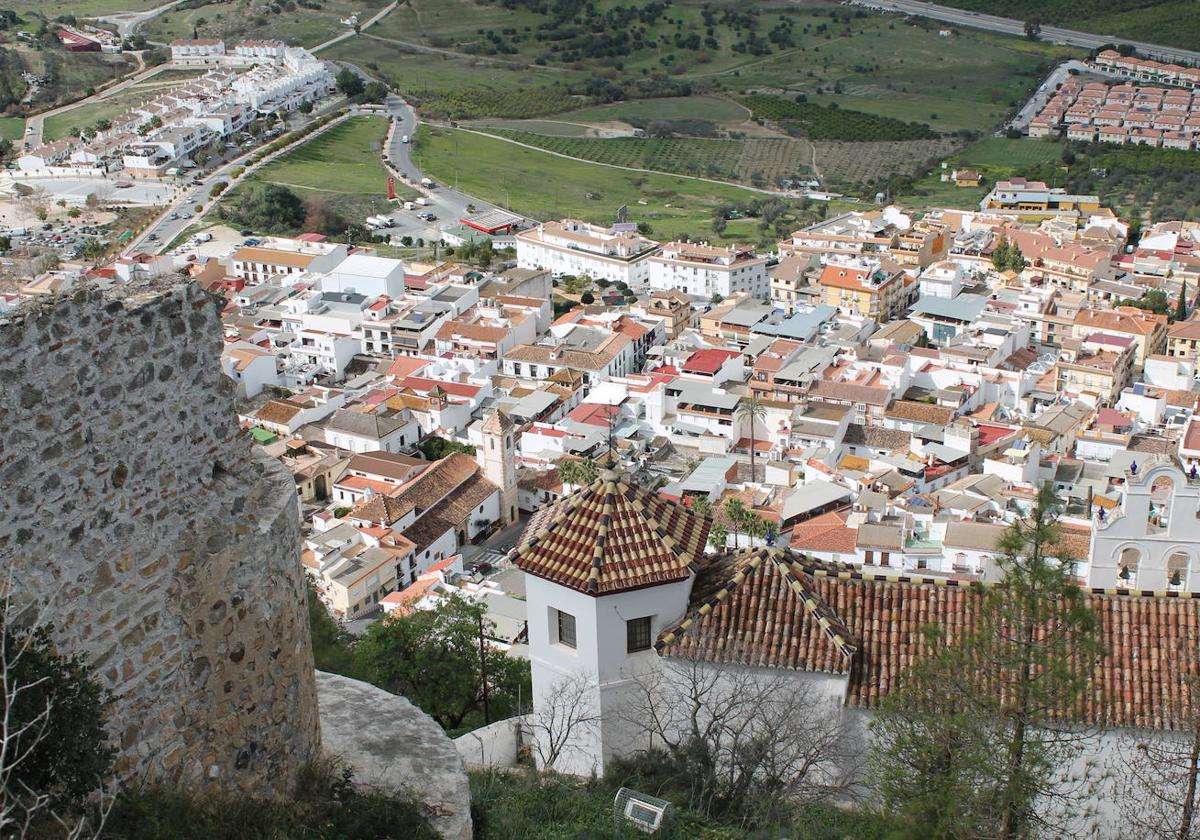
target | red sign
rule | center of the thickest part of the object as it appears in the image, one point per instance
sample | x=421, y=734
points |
x=391, y=187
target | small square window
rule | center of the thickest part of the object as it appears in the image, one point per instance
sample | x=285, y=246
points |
x=637, y=634
x=566, y=629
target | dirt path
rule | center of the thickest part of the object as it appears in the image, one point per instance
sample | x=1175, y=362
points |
x=350, y=33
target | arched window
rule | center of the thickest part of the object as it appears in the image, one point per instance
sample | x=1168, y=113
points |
x=1127, y=568
x=1162, y=491
x=1177, y=572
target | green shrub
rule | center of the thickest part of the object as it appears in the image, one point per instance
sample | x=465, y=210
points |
x=325, y=804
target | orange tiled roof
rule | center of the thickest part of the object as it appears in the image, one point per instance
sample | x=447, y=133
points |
x=779, y=609
x=612, y=537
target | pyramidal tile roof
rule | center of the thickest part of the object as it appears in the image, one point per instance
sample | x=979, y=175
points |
x=611, y=537
x=759, y=608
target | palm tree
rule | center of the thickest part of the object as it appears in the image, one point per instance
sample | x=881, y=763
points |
x=756, y=527
x=578, y=473
x=701, y=506
x=752, y=409
x=568, y=472
x=735, y=509
x=718, y=537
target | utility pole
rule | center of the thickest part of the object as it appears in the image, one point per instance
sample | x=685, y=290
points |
x=487, y=711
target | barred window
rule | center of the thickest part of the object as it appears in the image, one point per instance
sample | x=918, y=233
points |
x=566, y=629
x=637, y=634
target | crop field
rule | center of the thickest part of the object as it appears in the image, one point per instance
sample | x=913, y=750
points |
x=849, y=165
x=819, y=122
x=1170, y=22
x=543, y=186
x=748, y=161
x=712, y=108
x=547, y=128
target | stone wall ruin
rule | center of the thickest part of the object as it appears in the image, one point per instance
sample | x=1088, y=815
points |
x=165, y=546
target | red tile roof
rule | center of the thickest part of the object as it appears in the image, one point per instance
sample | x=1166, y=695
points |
x=773, y=608
x=594, y=414
x=423, y=386
x=827, y=532
x=612, y=537
x=707, y=361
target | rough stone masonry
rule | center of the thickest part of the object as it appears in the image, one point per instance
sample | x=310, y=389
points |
x=166, y=549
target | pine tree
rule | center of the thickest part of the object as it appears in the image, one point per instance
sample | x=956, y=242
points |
x=1000, y=254
x=1016, y=260
x=1181, y=305
x=969, y=746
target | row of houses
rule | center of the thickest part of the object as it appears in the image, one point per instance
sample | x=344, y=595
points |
x=166, y=130
x=1138, y=115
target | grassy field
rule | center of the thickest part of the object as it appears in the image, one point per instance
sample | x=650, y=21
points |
x=307, y=26
x=12, y=128
x=69, y=122
x=542, y=186
x=878, y=64
x=82, y=8
x=994, y=157
x=342, y=166
x=72, y=75
x=462, y=87
x=344, y=159
x=745, y=161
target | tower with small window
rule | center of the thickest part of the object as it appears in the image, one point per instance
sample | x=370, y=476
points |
x=606, y=570
x=496, y=458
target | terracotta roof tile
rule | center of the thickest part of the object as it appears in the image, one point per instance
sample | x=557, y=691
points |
x=611, y=537
x=774, y=608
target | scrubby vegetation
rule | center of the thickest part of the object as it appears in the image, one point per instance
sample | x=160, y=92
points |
x=325, y=804
x=541, y=807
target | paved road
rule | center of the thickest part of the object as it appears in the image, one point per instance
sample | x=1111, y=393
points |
x=1046, y=90
x=446, y=204
x=165, y=229
x=1056, y=34
x=127, y=23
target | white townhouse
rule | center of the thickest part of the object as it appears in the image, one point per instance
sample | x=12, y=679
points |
x=704, y=270
x=572, y=247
